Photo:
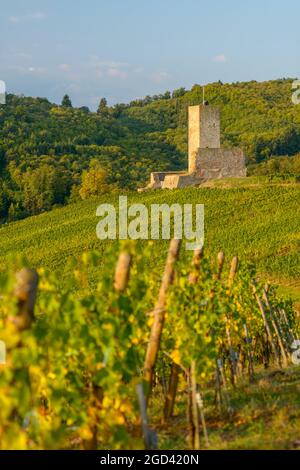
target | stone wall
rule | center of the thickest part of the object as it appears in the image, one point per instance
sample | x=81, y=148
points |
x=220, y=163
x=157, y=177
x=180, y=181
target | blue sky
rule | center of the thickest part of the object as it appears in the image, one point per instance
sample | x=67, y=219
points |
x=124, y=49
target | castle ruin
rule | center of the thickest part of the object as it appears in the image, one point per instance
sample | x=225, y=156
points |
x=206, y=159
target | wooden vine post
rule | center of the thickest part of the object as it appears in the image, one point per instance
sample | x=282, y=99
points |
x=221, y=259
x=174, y=375
x=217, y=276
x=249, y=352
x=171, y=392
x=233, y=269
x=150, y=437
x=122, y=272
x=201, y=411
x=121, y=279
x=25, y=291
x=291, y=334
x=194, y=408
x=159, y=314
x=194, y=274
x=266, y=323
x=276, y=329
x=232, y=359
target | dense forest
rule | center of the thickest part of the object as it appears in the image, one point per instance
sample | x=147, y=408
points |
x=51, y=155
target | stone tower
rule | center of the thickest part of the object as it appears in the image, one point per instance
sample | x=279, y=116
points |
x=206, y=159
x=203, y=131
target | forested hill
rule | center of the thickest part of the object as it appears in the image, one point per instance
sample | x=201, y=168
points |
x=50, y=154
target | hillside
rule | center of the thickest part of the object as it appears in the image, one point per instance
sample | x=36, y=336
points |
x=45, y=148
x=255, y=220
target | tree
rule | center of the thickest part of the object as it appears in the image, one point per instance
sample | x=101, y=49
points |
x=118, y=109
x=179, y=92
x=66, y=102
x=42, y=188
x=103, y=108
x=15, y=212
x=85, y=109
x=4, y=201
x=94, y=181
x=74, y=194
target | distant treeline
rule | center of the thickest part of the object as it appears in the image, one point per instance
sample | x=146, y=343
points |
x=52, y=154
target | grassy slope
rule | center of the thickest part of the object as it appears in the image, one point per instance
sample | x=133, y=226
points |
x=259, y=222
x=264, y=415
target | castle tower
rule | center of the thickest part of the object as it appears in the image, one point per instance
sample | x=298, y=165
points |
x=207, y=160
x=203, y=131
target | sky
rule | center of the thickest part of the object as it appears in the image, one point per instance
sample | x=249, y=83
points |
x=126, y=49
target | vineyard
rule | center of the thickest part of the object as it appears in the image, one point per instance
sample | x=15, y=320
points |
x=112, y=368
x=250, y=217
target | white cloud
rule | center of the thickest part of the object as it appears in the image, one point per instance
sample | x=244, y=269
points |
x=117, y=73
x=95, y=61
x=36, y=16
x=112, y=64
x=160, y=77
x=20, y=55
x=107, y=68
x=220, y=58
x=33, y=69
x=25, y=70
